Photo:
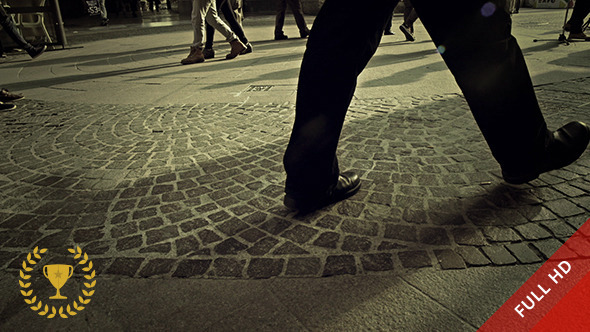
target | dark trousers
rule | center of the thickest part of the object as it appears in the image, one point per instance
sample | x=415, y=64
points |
x=295, y=6
x=481, y=53
x=581, y=10
x=410, y=16
x=9, y=27
x=224, y=7
x=151, y=4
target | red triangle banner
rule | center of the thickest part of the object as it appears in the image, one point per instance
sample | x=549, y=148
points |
x=556, y=297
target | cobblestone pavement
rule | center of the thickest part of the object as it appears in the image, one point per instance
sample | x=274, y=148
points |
x=196, y=190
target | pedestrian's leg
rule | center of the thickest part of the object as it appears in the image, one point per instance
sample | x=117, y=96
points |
x=198, y=21
x=327, y=81
x=280, y=18
x=237, y=46
x=230, y=17
x=388, y=25
x=9, y=26
x=474, y=39
x=581, y=10
x=210, y=35
x=295, y=6
x=213, y=18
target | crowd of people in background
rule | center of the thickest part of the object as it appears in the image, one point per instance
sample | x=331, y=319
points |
x=205, y=20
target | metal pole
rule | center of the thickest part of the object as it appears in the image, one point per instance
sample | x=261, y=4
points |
x=61, y=32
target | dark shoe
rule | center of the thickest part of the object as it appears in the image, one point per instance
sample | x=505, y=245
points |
x=104, y=22
x=209, y=53
x=236, y=48
x=304, y=34
x=6, y=107
x=578, y=36
x=248, y=49
x=388, y=33
x=36, y=51
x=6, y=95
x=407, y=32
x=348, y=184
x=282, y=36
x=565, y=146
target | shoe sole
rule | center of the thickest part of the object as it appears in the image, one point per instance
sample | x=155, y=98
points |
x=7, y=108
x=8, y=100
x=409, y=36
x=293, y=205
x=39, y=54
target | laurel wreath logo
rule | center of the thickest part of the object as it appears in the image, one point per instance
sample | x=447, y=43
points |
x=52, y=311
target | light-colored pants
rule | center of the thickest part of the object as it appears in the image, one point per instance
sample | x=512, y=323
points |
x=207, y=10
x=103, y=9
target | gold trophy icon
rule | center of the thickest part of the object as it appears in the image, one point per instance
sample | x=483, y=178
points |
x=58, y=274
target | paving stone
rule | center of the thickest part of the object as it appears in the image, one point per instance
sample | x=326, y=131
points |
x=388, y=246
x=219, y=216
x=564, y=208
x=120, y=218
x=232, y=226
x=289, y=248
x=532, y=231
x=275, y=225
x=501, y=234
x=161, y=234
x=360, y=227
x=191, y=225
x=208, y=236
x=192, y=267
x=88, y=234
x=134, y=192
x=401, y=232
x=265, y=267
x=448, y=259
x=377, y=262
x=415, y=259
x=499, y=255
x=523, y=253
x=327, y=240
x=329, y=221
x=299, y=233
x=157, y=266
x=558, y=228
x=263, y=246
x=125, y=266
x=229, y=246
x=124, y=229
x=339, y=265
x=186, y=244
x=228, y=267
x=252, y=235
x=97, y=247
x=307, y=266
x=129, y=242
x=433, y=236
x=356, y=243
x=162, y=248
x=151, y=223
x=60, y=239
x=547, y=247
x=468, y=236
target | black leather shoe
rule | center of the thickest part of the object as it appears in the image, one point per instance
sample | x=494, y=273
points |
x=304, y=34
x=566, y=146
x=348, y=184
x=281, y=37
